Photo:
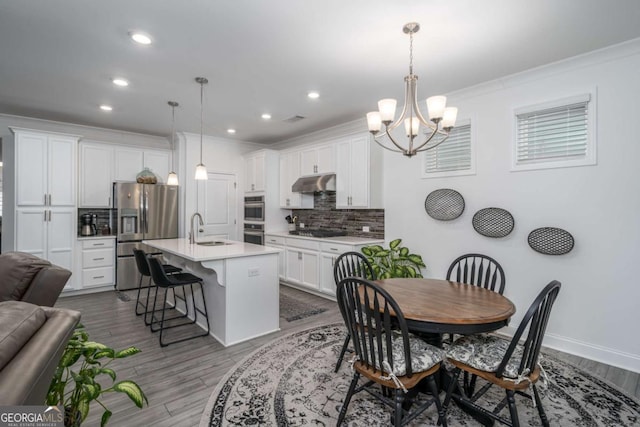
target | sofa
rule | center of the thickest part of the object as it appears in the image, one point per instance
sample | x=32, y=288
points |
x=25, y=277
x=32, y=340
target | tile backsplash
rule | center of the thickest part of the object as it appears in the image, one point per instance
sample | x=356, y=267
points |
x=105, y=216
x=325, y=215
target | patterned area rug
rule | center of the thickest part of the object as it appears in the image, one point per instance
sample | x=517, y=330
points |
x=290, y=382
x=293, y=309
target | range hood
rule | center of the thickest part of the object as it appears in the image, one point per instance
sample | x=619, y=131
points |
x=313, y=183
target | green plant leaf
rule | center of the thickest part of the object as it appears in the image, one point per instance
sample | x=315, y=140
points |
x=83, y=408
x=132, y=390
x=417, y=259
x=404, y=252
x=127, y=352
x=107, y=371
x=92, y=391
x=367, y=251
x=105, y=417
x=395, y=243
x=375, y=248
x=70, y=357
x=106, y=352
x=382, y=253
x=411, y=272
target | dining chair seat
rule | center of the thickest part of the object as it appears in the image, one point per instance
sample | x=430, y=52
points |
x=485, y=352
x=423, y=356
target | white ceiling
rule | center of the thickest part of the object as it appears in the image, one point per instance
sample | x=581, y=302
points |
x=58, y=56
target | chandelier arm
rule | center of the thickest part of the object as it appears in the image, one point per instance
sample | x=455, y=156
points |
x=375, y=138
x=402, y=149
x=403, y=114
x=414, y=99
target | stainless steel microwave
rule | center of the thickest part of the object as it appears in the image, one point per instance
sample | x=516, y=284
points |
x=254, y=208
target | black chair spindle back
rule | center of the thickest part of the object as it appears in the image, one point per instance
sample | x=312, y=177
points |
x=478, y=270
x=352, y=264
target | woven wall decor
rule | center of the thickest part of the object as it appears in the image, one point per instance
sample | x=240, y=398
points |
x=493, y=222
x=444, y=204
x=551, y=241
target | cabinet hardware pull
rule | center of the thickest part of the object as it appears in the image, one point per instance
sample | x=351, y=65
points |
x=334, y=249
x=45, y=199
x=45, y=216
x=50, y=199
x=98, y=244
x=98, y=277
x=49, y=215
x=98, y=259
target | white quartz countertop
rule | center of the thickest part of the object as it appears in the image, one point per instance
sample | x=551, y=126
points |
x=347, y=240
x=195, y=252
x=97, y=236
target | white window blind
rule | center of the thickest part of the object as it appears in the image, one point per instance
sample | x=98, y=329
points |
x=452, y=155
x=557, y=133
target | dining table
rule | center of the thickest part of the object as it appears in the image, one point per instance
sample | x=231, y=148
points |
x=433, y=307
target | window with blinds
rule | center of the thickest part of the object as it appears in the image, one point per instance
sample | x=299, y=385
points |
x=554, y=135
x=452, y=157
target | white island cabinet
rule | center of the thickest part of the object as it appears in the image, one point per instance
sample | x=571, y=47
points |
x=241, y=286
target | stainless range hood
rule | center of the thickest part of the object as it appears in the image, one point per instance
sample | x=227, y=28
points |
x=313, y=183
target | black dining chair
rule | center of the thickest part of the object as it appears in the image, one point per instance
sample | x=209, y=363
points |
x=162, y=280
x=350, y=264
x=478, y=270
x=143, y=268
x=386, y=354
x=508, y=364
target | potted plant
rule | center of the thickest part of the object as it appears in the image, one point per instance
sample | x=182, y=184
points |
x=76, y=381
x=396, y=261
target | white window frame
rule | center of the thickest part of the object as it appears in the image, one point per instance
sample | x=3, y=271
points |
x=472, y=168
x=591, y=151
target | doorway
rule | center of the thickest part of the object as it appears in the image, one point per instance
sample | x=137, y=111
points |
x=217, y=202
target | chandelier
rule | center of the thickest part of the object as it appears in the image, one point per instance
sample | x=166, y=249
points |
x=435, y=130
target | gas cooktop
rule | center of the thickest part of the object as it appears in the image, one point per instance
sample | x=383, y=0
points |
x=318, y=233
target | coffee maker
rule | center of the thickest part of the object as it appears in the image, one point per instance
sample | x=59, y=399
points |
x=88, y=224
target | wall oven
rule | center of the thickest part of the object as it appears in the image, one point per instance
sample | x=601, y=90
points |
x=254, y=233
x=254, y=208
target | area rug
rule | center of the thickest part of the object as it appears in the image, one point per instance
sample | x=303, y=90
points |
x=290, y=382
x=293, y=309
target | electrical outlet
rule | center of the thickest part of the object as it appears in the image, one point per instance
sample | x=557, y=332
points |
x=254, y=272
x=302, y=225
x=365, y=229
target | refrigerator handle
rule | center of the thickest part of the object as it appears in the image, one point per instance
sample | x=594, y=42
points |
x=146, y=212
x=142, y=216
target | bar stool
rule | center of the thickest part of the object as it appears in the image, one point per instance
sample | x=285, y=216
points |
x=162, y=280
x=143, y=268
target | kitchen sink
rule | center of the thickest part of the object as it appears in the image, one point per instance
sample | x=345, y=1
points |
x=214, y=243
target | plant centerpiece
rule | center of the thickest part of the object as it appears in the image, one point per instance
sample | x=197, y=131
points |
x=75, y=383
x=396, y=261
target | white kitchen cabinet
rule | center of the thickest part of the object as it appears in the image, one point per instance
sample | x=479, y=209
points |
x=255, y=172
x=128, y=162
x=358, y=174
x=317, y=160
x=327, y=282
x=45, y=168
x=98, y=262
x=96, y=168
x=47, y=233
x=289, y=173
x=279, y=243
x=302, y=267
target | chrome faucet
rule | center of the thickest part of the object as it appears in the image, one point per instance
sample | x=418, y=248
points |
x=192, y=234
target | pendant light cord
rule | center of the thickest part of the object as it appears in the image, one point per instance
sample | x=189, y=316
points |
x=201, y=101
x=173, y=131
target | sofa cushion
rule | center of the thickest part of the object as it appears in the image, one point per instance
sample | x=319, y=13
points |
x=17, y=270
x=19, y=321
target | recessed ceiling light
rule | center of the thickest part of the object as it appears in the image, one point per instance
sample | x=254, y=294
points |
x=266, y=116
x=231, y=131
x=139, y=37
x=118, y=81
x=313, y=95
x=106, y=107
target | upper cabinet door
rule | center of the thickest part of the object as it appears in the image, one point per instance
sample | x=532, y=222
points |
x=159, y=163
x=359, y=172
x=326, y=159
x=128, y=163
x=62, y=171
x=95, y=176
x=308, y=162
x=317, y=160
x=31, y=169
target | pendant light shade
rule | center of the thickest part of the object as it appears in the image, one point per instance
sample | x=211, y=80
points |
x=172, y=179
x=201, y=169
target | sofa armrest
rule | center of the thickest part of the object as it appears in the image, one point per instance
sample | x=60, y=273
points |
x=26, y=378
x=46, y=286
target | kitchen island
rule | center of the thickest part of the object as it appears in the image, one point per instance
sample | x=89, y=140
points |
x=241, y=286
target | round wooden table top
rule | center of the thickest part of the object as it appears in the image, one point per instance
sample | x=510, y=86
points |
x=442, y=306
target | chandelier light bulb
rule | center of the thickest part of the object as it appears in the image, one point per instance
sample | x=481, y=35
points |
x=449, y=117
x=387, y=109
x=436, y=105
x=172, y=179
x=374, y=121
x=412, y=126
x=201, y=172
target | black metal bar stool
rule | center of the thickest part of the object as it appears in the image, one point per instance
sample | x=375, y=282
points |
x=162, y=280
x=143, y=268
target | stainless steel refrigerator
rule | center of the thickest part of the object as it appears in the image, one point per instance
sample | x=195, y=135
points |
x=144, y=212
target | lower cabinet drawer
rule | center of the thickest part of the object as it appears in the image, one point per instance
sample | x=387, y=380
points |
x=97, y=258
x=97, y=276
x=335, y=248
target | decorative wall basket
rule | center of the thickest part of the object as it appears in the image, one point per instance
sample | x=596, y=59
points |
x=444, y=204
x=551, y=241
x=493, y=222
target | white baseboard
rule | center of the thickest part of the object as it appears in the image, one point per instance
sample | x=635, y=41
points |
x=609, y=356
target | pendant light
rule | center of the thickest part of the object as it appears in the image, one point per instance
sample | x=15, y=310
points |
x=172, y=179
x=201, y=169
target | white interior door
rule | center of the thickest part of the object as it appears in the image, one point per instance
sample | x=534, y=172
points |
x=217, y=204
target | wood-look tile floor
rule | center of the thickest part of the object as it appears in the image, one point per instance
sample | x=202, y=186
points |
x=178, y=380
